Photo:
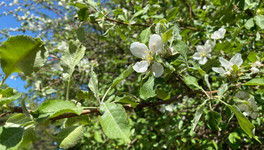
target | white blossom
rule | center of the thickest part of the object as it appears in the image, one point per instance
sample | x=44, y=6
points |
x=219, y=34
x=249, y=108
x=170, y=107
x=228, y=65
x=255, y=66
x=254, y=70
x=140, y=50
x=203, y=52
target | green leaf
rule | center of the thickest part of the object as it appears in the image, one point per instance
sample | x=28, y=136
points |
x=225, y=46
x=114, y=121
x=255, y=81
x=81, y=34
x=10, y=137
x=82, y=119
x=198, y=115
x=79, y=5
x=148, y=88
x=127, y=100
x=244, y=123
x=191, y=82
x=54, y=108
x=259, y=21
x=93, y=84
x=22, y=54
x=29, y=137
x=161, y=94
x=153, y=9
x=8, y=98
x=98, y=136
x=181, y=47
x=143, y=11
x=248, y=4
x=83, y=14
x=167, y=35
x=222, y=90
x=123, y=75
x=213, y=120
x=249, y=24
x=206, y=79
x=252, y=56
x=72, y=56
x=171, y=13
x=69, y=137
x=144, y=35
x=17, y=120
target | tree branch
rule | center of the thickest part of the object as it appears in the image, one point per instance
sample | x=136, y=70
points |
x=96, y=110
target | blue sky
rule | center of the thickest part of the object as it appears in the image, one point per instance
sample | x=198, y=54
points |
x=11, y=22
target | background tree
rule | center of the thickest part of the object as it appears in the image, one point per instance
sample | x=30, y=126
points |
x=84, y=93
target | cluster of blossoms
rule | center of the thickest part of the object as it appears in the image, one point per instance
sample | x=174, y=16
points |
x=248, y=104
x=140, y=50
x=203, y=51
x=255, y=67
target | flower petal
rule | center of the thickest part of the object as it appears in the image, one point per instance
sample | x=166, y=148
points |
x=218, y=70
x=236, y=60
x=155, y=43
x=242, y=107
x=197, y=56
x=141, y=66
x=222, y=32
x=203, y=61
x=253, y=104
x=200, y=48
x=254, y=115
x=157, y=69
x=209, y=43
x=139, y=50
x=254, y=70
x=225, y=63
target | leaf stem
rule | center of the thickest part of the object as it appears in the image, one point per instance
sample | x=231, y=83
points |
x=3, y=80
x=68, y=89
x=105, y=94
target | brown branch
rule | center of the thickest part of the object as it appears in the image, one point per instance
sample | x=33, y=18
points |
x=96, y=110
x=124, y=23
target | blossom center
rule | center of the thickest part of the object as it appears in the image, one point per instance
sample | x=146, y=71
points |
x=148, y=56
x=203, y=53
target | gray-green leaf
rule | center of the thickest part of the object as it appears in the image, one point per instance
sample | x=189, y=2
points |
x=69, y=137
x=54, y=108
x=72, y=56
x=198, y=115
x=144, y=35
x=255, y=81
x=114, y=121
x=10, y=137
x=259, y=21
x=223, y=88
x=192, y=82
x=22, y=54
x=93, y=84
x=148, y=88
x=123, y=75
x=244, y=123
